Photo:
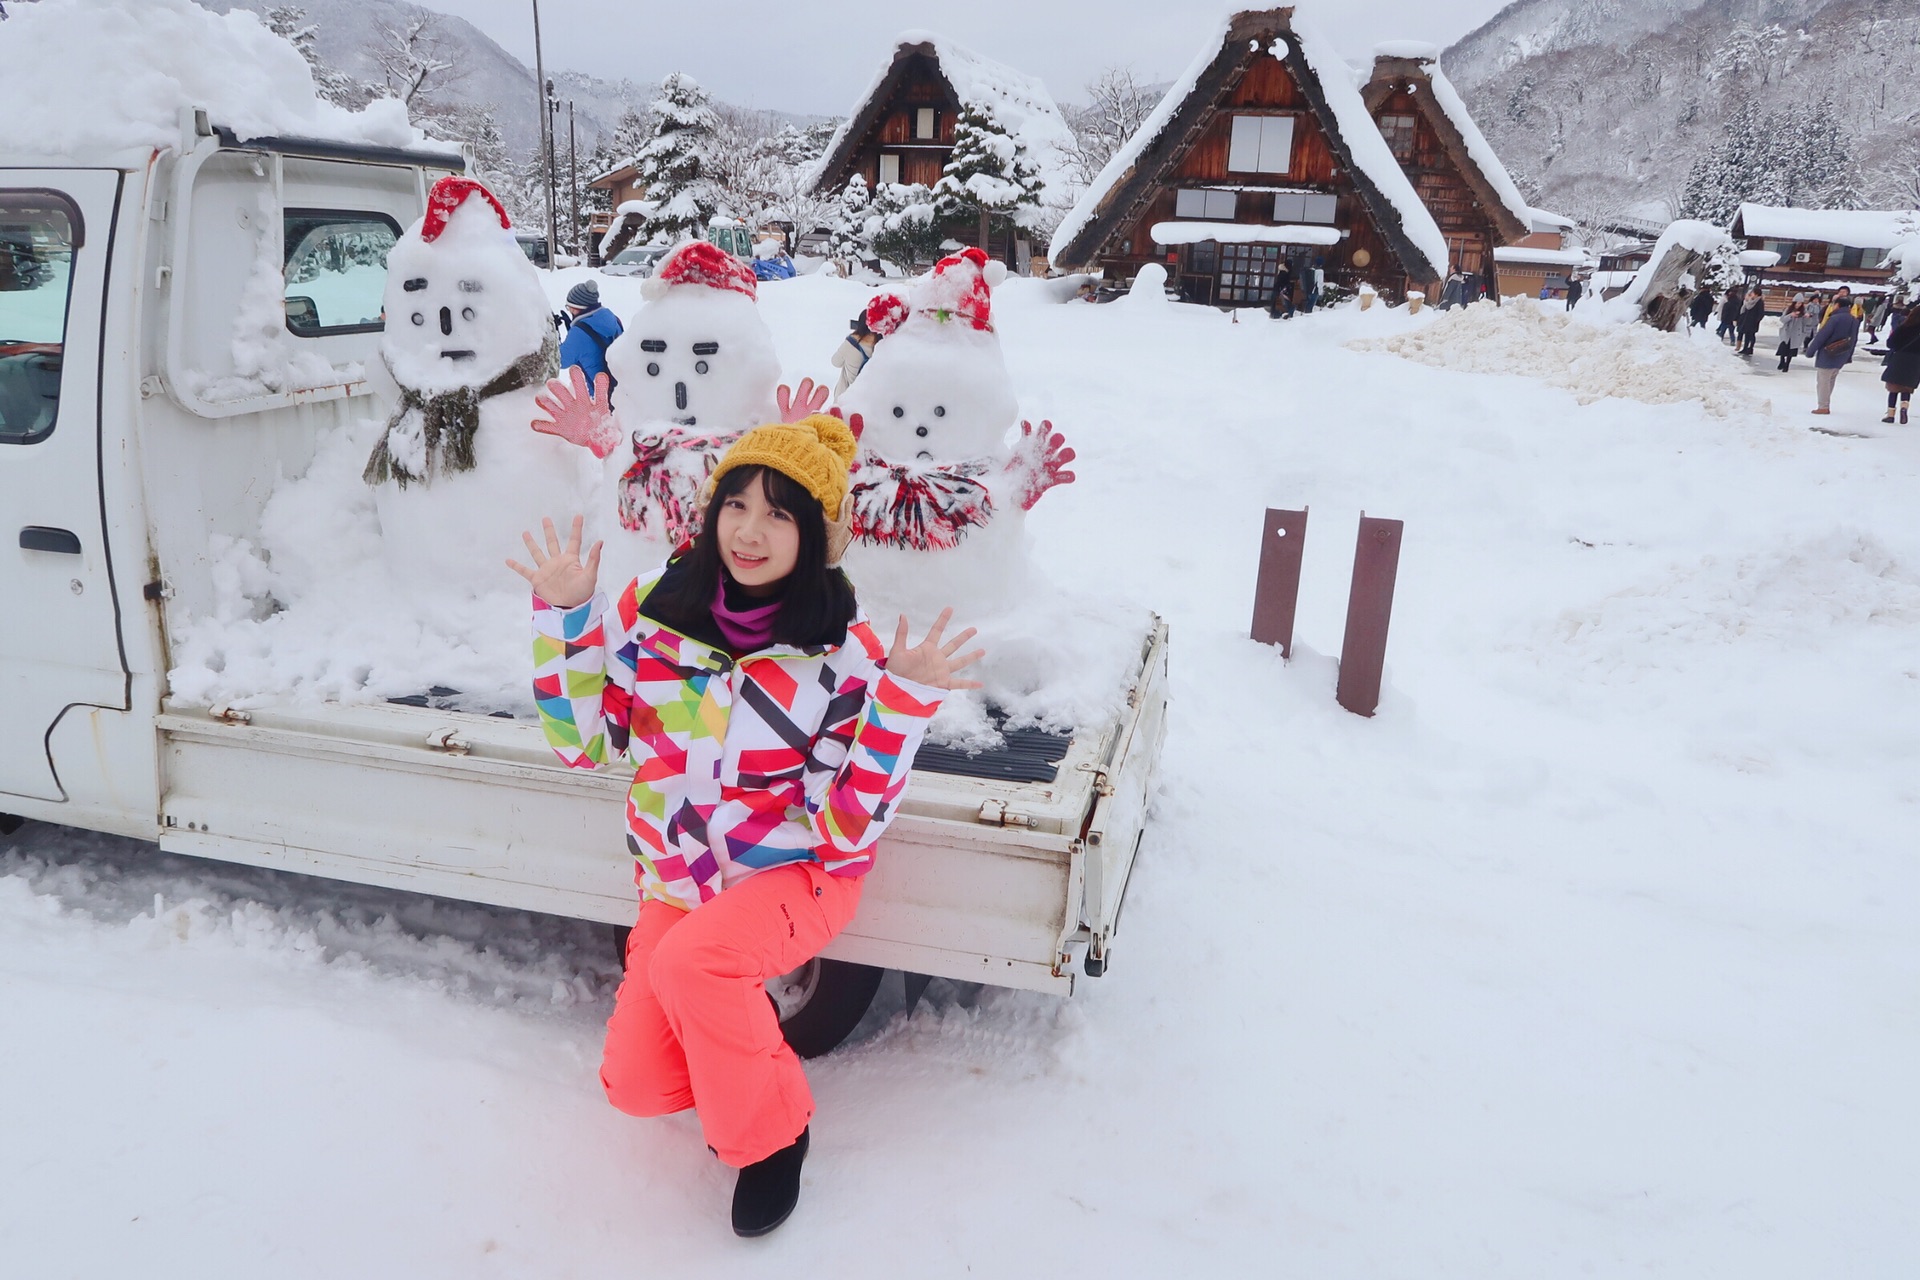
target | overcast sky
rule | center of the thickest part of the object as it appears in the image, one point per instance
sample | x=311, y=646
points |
x=818, y=58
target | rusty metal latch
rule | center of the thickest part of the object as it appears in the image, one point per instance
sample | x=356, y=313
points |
x=1102, y=784
x=226, y=713
x=996, y=814
x=449, y=741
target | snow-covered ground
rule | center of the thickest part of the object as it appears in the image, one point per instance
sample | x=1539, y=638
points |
x=1594, y=953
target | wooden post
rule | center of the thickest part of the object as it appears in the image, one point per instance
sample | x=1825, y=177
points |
x=1363, y=653
x=1277, y=591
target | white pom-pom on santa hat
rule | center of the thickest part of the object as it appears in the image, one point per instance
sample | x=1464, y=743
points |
x=961, y=286
x=699, y=263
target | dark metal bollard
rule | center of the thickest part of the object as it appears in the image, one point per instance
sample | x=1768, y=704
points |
x=1363, y=653
x=1277, y=591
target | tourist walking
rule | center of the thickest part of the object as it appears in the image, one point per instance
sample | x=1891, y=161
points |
x=1903, y=360
x=1700, y=310
x=1574, y=290
x=1796, y=326
x=1280, y=303
x=1730, y=313
x=1832, y=348
x=1748, y=326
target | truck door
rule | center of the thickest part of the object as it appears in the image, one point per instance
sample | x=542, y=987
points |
x=60, y=639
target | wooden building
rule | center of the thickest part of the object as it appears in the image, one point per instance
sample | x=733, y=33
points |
x=1262, y=153
x=1820, y=249
x=1446, y=157
x=623, y=186
x=901, y=130
x=1542, y=263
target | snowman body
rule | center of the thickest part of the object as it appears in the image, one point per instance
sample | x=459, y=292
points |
x=695, y=368
x=937, y=412
x=459, y=472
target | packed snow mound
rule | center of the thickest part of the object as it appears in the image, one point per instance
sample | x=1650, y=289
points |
x=80, y=75
x=1594, y=361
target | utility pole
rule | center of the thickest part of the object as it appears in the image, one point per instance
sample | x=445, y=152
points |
x=573, y=184
x=541, y=90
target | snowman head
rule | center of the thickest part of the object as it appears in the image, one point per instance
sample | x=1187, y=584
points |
x=462, y=301
x=698, y=353
x=937, y=388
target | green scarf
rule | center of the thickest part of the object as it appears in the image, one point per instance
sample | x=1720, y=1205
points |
x=450, y=420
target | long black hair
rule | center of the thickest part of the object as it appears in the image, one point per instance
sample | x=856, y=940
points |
x=816, y=602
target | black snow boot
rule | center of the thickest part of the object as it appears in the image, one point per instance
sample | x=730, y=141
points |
x=768, y=1189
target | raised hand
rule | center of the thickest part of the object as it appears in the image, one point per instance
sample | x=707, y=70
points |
x=855, y=424
x=559, y=576
x=797, y=405
x=1040, y=458
x=930, y=662
x=577, y=418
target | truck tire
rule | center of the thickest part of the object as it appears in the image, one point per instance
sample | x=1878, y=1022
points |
x=819, y=1004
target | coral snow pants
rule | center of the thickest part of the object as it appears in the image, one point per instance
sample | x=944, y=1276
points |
x=692, y=1025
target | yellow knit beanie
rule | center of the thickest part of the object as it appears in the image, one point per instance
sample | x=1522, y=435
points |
x=816, y=453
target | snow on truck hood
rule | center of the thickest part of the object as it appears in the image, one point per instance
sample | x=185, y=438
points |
x=144, y=62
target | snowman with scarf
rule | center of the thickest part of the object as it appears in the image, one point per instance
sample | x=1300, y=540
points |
x=455, y=472
x=692, y=370
x=943, y=482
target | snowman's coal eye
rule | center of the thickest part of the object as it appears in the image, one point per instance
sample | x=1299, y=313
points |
x=898, y=412
x=466, y=313
x=939, y=410
x=699, y=366
x=653, y=370
x=418, y=318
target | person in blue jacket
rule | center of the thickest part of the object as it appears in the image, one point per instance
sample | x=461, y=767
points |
x=590, y=331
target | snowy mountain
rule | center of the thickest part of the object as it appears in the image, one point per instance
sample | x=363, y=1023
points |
x=1605, y=104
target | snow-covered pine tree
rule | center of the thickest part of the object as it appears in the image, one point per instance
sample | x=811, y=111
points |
x=1823, y=172
x=675, y=160
x=629, y=135
x=849, y=228
x=902, y=225
x=989, y=174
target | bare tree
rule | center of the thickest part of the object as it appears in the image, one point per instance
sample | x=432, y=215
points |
x=412, y=58
x=1117, y=105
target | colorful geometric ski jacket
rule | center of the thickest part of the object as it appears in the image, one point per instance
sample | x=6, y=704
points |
x=785, y=755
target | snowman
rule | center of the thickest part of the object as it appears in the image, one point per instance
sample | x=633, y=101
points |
x=694, y=368
x=456, y=472
x=940, y=495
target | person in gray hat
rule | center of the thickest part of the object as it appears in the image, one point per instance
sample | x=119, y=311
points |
x=591, y=330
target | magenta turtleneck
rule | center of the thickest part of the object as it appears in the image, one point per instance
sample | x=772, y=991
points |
x=747, y=627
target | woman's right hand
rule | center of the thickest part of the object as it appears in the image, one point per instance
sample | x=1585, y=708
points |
x=559, y=576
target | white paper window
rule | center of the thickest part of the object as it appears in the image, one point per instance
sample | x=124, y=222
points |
x=1200, y=203
x=923, y=123
x=1261, y=144
x=889, y=168
x=1303, y=206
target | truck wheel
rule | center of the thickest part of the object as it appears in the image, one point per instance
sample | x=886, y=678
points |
x=10, y=823
x=821, y=1002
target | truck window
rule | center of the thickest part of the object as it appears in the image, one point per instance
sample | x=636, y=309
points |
x=36, y=270
x=336, y=270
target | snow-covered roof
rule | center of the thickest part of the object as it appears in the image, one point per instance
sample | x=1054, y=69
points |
x=1855, y=228
x=1545, y=220
x=1541, y=257
x=1349, y=121
x=1019, y=102
x=1241, y=233
x=90, y=77
x=1479, y=150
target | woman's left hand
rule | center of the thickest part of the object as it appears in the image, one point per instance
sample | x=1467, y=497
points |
x=930, y=662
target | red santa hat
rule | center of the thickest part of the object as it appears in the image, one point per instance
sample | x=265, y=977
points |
x=449, y=194
x=699, y=263
x=960, y=286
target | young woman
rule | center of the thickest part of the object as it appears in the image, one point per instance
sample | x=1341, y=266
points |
x=1902, y=361
x=772, y=735
x=1796, y=326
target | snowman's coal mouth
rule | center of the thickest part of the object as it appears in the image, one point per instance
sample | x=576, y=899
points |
x=456, y=355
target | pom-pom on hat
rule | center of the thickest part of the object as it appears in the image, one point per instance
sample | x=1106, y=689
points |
x=960, y=286
x=699, y=263
x=886, y=312
x=449, y=194
x=816, y=453
x=586, y=295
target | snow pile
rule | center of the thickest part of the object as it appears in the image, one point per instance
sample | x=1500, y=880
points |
x=1634, y=362
x=80, y=75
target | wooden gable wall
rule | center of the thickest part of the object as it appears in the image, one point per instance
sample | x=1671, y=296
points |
x=1435, y=173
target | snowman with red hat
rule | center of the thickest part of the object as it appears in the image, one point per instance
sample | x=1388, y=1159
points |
x=455, y=472
x=943, y=469
x=693, y=369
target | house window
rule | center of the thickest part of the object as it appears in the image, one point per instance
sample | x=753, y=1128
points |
x=1261, y=144
x=1304, y=206
x=1398, y=131
x=336, y=270
x=1201, y=203
x=1246, y=272
x=1844, y=257
x=889, y=168
x=925, y=121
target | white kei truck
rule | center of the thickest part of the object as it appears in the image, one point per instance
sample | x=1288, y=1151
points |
x=129, y=441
